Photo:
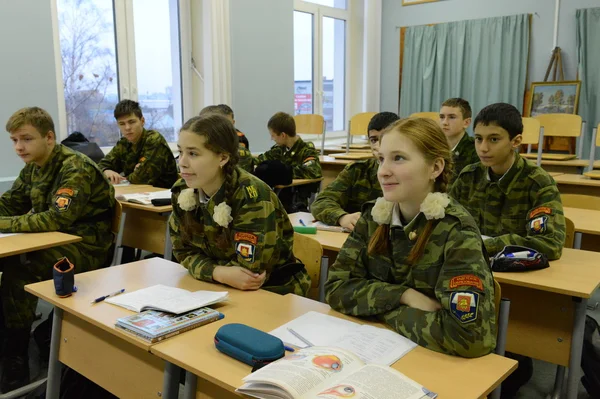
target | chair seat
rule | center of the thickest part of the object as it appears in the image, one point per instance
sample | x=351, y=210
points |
x=594, y=174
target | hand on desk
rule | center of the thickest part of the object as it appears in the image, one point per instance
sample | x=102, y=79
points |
x=239, y=277
x=113, y=176
x=349, y=220
x=414, y=299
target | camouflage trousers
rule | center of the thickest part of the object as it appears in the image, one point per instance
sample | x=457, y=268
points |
x=299, y=284
x=19, y=306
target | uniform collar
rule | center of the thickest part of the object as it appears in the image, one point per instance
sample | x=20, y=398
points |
x=397, y=221
x=50, y=165
x=462, y=143
x=507, y=181
x=295, y=147
x=140, y=142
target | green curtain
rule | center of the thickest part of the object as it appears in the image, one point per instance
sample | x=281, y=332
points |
x=588, y=40
x=483, y=61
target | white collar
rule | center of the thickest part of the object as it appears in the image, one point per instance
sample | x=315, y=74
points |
x=507, y=170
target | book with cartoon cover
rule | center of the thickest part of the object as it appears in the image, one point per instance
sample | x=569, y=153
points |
x=329, y=373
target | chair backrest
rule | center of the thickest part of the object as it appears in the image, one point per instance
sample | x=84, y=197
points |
x=570, y=233
x=309, y=251
x=116, y=220
x=531, y=131
x=117, y=233
x=562, y=125
x=581, y=201
x=309, y=124
x=359, y=123
x=497, y=299
x=435, y=116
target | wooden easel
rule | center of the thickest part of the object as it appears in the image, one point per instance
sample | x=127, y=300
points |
x=556, y=62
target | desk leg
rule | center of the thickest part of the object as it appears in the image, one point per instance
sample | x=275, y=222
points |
x=576, y=347
x=168, y=246
x=191, y=383
x=54, y=366
x=323, y=277
x=577, y=240
x=171, y=381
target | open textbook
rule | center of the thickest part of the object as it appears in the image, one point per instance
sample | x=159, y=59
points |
x=370, y=344
x=329, y=373
x=309, y=220
x=167, y=299
x=145, y=198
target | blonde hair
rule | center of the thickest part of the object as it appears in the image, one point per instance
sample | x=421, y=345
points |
x=431, y=142
x=34, y=116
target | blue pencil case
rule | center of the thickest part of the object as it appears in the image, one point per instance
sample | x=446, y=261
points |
x=249, y=345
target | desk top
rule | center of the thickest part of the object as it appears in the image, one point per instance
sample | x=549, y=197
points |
x=327, y=160
x=195, y=351
x=331, y=240
x=353, y=156
x=29, y=242
x=576, y=273
x=132, y=277
x=300, y=182
x=581, y=163
x=141, y=188
x=581, y=180
x=585, y=220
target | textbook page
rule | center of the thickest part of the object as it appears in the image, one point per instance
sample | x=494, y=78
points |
x=145, y=198
x=167, y=299
x=309, y=220
x=373, y=382
x=300, y=372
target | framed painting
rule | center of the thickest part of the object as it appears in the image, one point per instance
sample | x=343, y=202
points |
x=554, y=97
x=411, y=2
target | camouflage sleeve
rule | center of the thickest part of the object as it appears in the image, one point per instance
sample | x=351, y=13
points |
x=466, y=324
x=330, y=204
x=114, y=159
x=310, y=168
x=350, y=289
x=154, y=161
x=273, y=153
x=545, y=226
x=70, y=202
x=245, y=161
x=16, y=201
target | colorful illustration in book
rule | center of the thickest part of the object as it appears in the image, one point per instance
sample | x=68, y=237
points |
x=343, y=391
x=329, y=362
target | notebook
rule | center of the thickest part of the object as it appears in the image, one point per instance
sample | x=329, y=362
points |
x=309, y=220
x=145, y=198
x=167, y=299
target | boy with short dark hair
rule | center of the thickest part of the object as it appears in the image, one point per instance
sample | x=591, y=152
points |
x=514, y=201
x=59, y=189
x=141, y=156
x=341, y=201
x=455, y=118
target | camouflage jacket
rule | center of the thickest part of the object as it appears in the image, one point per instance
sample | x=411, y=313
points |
x=243, y=139
x=149, y=161
x=452, y=270
x=464, y=154
x=245, y=161
x=302, y=157
x=353, y=187
x=260, y=237
x=522, y=208
x=68, y=194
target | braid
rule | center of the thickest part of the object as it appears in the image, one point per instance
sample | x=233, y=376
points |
x=443, y=180
x=228, y=176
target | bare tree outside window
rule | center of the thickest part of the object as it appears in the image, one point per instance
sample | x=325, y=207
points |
x=86, y=29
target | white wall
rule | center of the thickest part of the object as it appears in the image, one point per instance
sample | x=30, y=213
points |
x=27, y=71
x=262, y=70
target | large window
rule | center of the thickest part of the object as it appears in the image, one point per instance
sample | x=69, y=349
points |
x=320, y=28
x=126, y=49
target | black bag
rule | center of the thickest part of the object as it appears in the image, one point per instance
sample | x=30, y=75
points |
x=590, y=357
x=515, y=258
x=78, y=142
x=274, y=173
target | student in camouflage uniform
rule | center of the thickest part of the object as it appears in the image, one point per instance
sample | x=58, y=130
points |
x=455, y=118
x=301, y=156
x=415, y=258
x=228, y=112
x=141, y=156
x=59, y=189
x=228, y=226
x=341, y=200
x=244, y=154
x=513, y=201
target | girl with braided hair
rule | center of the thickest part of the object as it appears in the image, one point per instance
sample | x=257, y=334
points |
x=228, y=226
x=415, y=257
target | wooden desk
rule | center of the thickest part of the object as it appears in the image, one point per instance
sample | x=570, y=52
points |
x=353, y=156
x=331, y=168
x=220, y=375
x=577, y=184
x=145, y=226
x=85, y=339
x=29, y=242
x=547, y=312
x=331, y=240
x=574, y=166
x=586, y=222
x=300, y=182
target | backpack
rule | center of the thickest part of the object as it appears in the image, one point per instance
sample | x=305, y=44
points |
x=590, y=357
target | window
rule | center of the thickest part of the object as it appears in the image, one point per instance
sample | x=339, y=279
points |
x=320, y=52
x=104, y=60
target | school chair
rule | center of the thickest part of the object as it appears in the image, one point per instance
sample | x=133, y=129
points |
x=311, y=124
x=434, y=116
x=117, y=226
x=310, y=252
x=502, y=311
x=581, y=201
x=531, y=135
x=562, y=125
x=594, y=143
x=358, y=125
x=570, y=233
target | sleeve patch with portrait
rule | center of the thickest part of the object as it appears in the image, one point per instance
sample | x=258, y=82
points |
x=62, y=203
x=464, y=306
x=540, y=210
x=470, y=280
x=539, y=225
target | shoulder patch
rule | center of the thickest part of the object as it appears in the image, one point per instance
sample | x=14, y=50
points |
x=464, y=306
x=251, y=191
x=539, y=225
x=309, y=159
x=247, y=237
x=470, y=280
x=539, y=210
x=142, y=159
x=62, y=203
x=66, y=191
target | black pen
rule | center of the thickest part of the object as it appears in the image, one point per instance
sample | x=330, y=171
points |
x=100, y=299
